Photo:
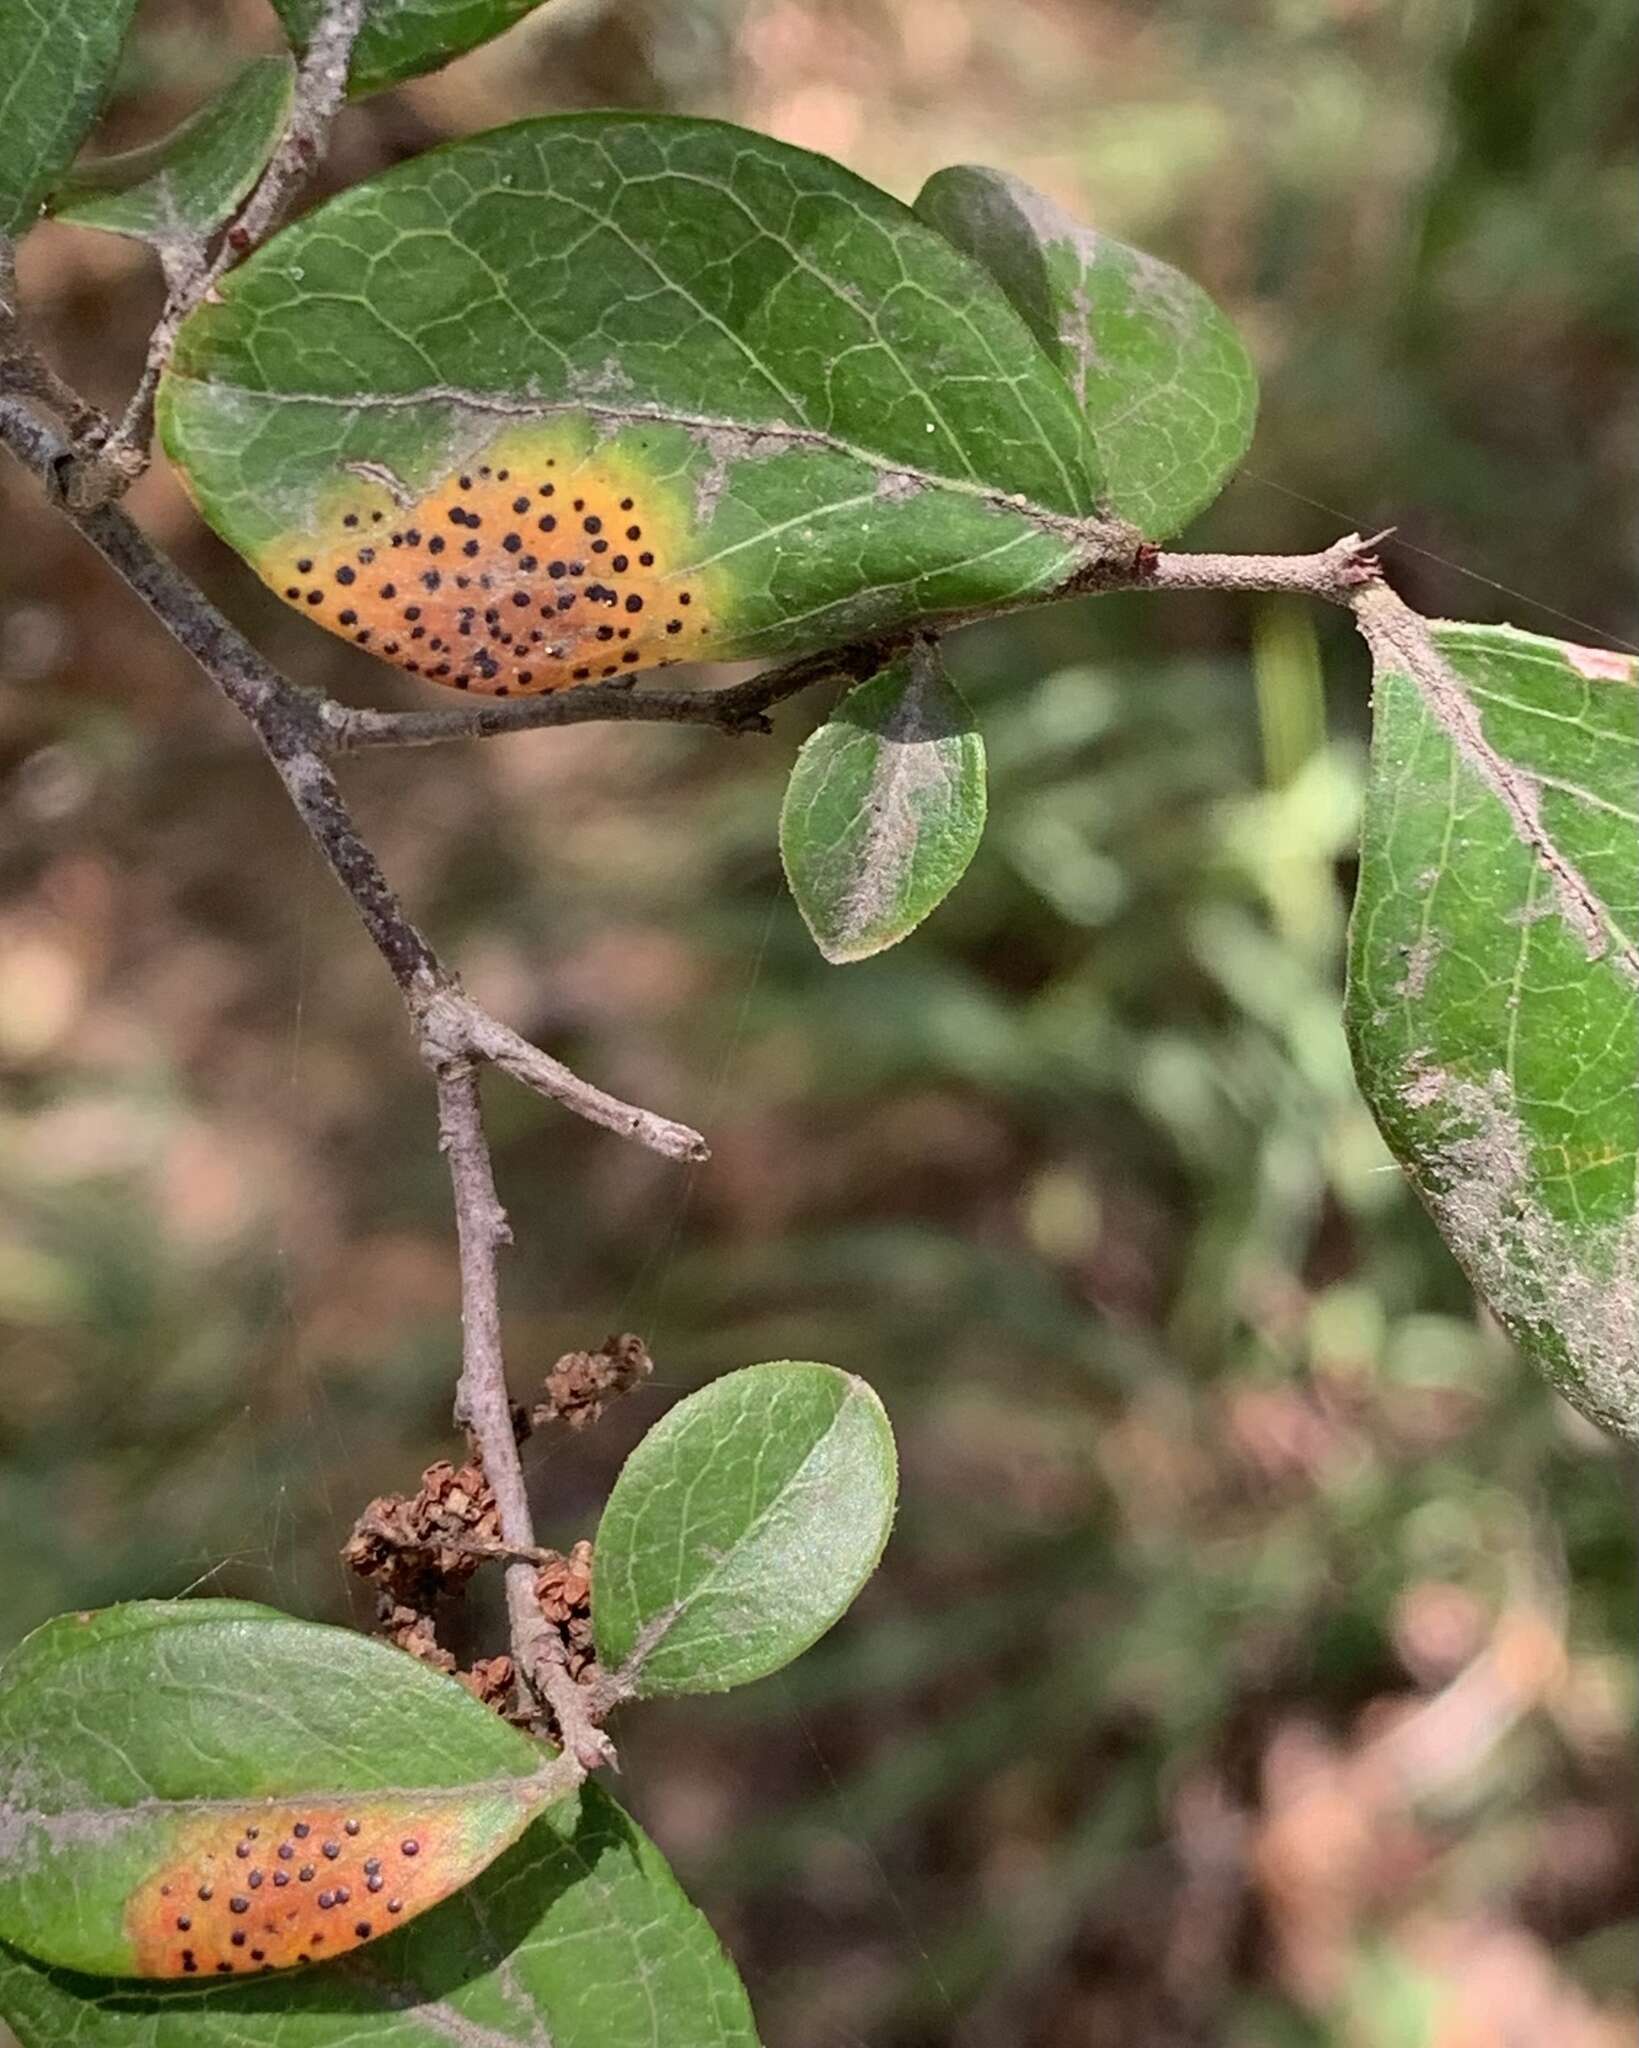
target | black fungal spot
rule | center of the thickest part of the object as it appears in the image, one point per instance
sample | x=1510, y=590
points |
x=634, y=533
x=348, y=617
x=513, y=542
x=368, y=555
x=326, y=1901
x=206, y=1891
x=412, y=612
x=674, y=625
x=683, y=597
x=258, y=1955
x=606, y=632
x=465, y=482
x=190, y=1961
x=183, y=1923
x=362, y=1929
x=293, y=592
x=315, y=597
x=238, y=1905
x=626, y=504
x=557, y=569
x=255, y=1880
x=547, y=523
x=237, y=1938
x=521, y=598
x=634, y=603
x=645, y=561
x=580, y=504
x=389, y=590
x=308, y=1872
x=430, y=579
x=395, y=1905
x=520, y=504
x=350, y=519
x=631, y=654
x=620, y=564
x=241, y=1850
x=471, y=548
x=436, y=545
x=281, y=1878
x=592, y=523
x=600, y=547
x=224, y=1969
x=304, y=567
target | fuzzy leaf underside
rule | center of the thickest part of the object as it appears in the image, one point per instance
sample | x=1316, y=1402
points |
x=884, y=809
x=820, y=420
x=1163, y=379
x=189, y=182
x=1493, y=1002
x=401, y=39
x=741, y=1527
x=577, y=1937
x=57, y=61
x=187, y=1786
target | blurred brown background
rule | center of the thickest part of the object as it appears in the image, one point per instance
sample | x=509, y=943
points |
x=1254, y=1660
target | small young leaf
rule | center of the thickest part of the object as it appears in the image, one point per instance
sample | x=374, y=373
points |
x=1162, y=377
x=402, y=38
x=884, y=809
x=206, y=1788
x=190, y=181
x=577, y=1936
x=741, y=1527
x=1493, y=997
x=57, y=60
x=601, y=392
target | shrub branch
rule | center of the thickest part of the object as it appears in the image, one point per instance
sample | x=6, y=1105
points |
x=302, y=731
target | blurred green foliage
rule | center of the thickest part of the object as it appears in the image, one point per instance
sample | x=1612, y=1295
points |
x=1213, y=1477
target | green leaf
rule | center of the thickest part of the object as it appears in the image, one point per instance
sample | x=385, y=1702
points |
x=173, y=1768
x=578, y=1936
x=57, y=60
x=1494, y=980
x=188, y=183
x=741, y=1527
x=402, y=38
x=884, y=809
x=677, y=390
x=1163, y=378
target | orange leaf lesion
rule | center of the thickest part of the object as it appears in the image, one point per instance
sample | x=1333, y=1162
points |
x=272, y=1885
x=530, y=568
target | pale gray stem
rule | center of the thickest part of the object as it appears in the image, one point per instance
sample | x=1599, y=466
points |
x=483, y=1407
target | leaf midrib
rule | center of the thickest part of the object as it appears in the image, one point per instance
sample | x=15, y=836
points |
x=1096, y=532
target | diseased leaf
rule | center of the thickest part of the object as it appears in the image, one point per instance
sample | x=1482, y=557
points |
x=189, y=182
x=57, y=60
x=1163, y=378
x=1494, y=979
x=741, y=1527
x=402, y=38
x=605, y=391
x=577, y=1936
x=884, y=809
x=206, y=1788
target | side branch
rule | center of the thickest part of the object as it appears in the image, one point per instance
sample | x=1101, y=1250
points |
x=287, y=721
x=192, y=274
x=1335, y=574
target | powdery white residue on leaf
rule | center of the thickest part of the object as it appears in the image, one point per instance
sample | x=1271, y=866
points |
x=1576, y=1294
